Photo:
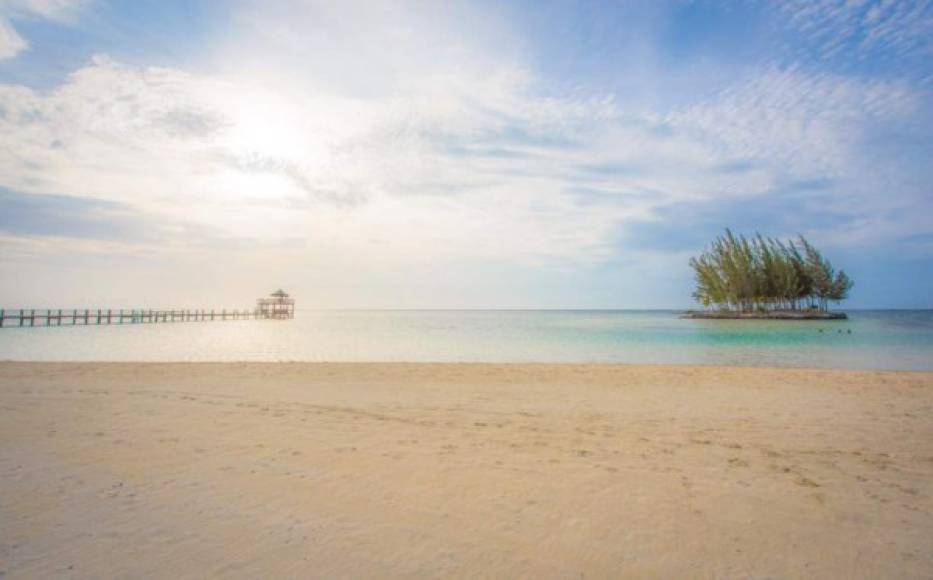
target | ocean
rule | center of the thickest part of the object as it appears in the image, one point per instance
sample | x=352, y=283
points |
x=879, y=339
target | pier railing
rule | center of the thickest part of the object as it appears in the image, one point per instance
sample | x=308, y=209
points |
x=73, y=317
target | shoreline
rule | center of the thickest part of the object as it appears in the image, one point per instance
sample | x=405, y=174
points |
x=463, y=469
x=442, y=364
x=498, y=365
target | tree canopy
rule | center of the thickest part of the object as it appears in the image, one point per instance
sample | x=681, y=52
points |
x=761, y=273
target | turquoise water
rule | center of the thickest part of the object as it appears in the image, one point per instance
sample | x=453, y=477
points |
x=878, y=339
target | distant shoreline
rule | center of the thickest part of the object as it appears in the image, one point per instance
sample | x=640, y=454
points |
x=774, y=315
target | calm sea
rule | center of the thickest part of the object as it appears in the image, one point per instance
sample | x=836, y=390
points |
x=869, y=339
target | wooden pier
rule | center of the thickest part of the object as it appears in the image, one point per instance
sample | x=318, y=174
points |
x=60, y=317
x=278, y=307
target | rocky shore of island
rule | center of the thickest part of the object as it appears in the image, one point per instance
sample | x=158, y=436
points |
x=765, y=315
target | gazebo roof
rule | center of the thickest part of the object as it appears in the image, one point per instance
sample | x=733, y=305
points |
x=280, y=293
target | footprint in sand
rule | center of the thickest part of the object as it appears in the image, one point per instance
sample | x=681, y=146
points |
x=806, y=482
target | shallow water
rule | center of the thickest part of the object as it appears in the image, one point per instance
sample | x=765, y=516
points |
x=879, y=339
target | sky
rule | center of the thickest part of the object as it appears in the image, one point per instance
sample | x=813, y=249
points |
x=391, y=154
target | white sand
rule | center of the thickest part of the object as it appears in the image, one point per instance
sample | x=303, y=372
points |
x=374, y=470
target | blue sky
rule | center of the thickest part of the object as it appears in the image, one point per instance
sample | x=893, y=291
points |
x=455, y=155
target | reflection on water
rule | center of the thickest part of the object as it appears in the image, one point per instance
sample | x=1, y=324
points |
x=869, y=339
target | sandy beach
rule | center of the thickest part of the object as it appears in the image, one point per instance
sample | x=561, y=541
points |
x=463, y=470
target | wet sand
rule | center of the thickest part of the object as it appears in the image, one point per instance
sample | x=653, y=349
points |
x=420, y=470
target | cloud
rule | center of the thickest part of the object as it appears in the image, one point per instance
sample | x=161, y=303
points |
x=11, y=43
x=58, y=10
x=464, y=166
x=803, y=121
x=882, y=28
x=82, y=219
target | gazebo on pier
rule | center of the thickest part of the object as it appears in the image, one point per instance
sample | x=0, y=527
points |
x=278, y=306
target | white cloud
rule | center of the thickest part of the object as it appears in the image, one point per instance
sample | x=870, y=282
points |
x=11, y=43
x=466, y=166
x=61, y=10
x=900, y=27
x=805, y=122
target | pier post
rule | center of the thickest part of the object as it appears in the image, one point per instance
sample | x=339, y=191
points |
x=22, y=316
x=32, y=317
x=48, y=317
x=1, y=317
x=59, y=316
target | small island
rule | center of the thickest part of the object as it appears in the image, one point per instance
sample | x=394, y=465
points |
x=765, y=278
